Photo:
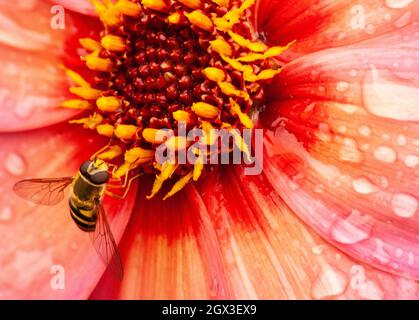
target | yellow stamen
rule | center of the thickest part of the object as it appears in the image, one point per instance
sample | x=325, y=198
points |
x=128, y=8
x=270, y=53
x=198, y=168
x=214, y=74
x=174, y=18
x=99, y=6
x=177, y=143
x=238, y=141
x=222, y=47
x=111, y=17
x=125, y=131
x=222, y=24
x=167, y=171
x=111, y=153
x=211, y=136
x=133, y=158
x=193, y=4
x=243, y=117
x=113, y=43
x=263, y=75
x=76, y=104
x=99, y=64
x=235, y=64
x=154, y=136
x=86, y=92
x=158, y=5
x=222, y=3
x=108, y=104
x=179, y=185
x=90, y=44
x=246, y=43
x=75, y=77
x=205, y=110
x=106, y=130
x=230, y=90
x=90, y=122
x=182, y=116
x=200, y=20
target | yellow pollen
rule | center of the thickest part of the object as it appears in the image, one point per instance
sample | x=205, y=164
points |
x=128, y=8
x=75, y=77
x=193, y=4
x=214, y=74
x=235, y=64
x=106, y=130
x=139, y=154
x=108, y=104
x=113, y=43
x=222, y=3
x=76, y=104
x=99, y=6
x=246, y=43
x=174, y=18
x=167, y=171
x=243, y=117
x=179, y=185
x=230, y=90
x=270, y=53
x=90, y=44
x=197, y=169
x=86, y=92
x=154, y=136
x=111, y=152
x=205, y=110
x=110, y=17
x=177, y=143
x=222, y=47
x=158, y=5
x=125, y=132
x=200, y=20
x=99, y=64
x=90, y=122
x=182, y=116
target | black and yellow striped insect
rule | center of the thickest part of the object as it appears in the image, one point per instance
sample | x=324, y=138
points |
x=87, y=190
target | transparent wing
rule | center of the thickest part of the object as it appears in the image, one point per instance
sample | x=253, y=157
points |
x=105, y=245
x=48, y=192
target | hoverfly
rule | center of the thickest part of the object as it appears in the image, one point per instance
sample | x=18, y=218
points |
x=86, y=210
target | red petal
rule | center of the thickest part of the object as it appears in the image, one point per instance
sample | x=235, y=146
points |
x=322, y=24
x=342, y=150
x=239, y=241
x=37, y=238
x=31, y=82
x=81, y=6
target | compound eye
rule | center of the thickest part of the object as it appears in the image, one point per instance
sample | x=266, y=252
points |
x=83, y=168
x=100, y=177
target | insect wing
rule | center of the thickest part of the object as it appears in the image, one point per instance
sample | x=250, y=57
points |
x=48, y=192
x=105, y=244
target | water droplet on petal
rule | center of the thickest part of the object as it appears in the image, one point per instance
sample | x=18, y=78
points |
x=350, y=152
x=363, y=186
x=14, y=164
x=365, y=131
x=398, y=4
x=329, y=283
x=404, y=205
x=385, y=154
x=371, y=291
x=6, y=214
x=411, y=160
x=342, y=86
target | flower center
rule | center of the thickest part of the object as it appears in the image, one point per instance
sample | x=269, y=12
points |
x=161, y=64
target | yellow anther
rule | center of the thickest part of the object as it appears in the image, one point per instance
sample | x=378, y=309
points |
x=86, y=92
x=179, y=185
x=198, y=168
x=139, y=155
x=211, y=135
x=110, y=17
x=76, y=104
x=108, y=104
x=106, y=130
x=222, y=3
x=200, y=20
x=158, y=5
x=247, y=4
x=243, y=117
x=222, y=47
x=157, y=185
x=182, y=116
x=177, y=143
x=205, y=110
x=246, y=43
x=267, y=74
x=90, y=122
x=167, y=170
x=214, y=74
x=230, y=90
x=155, y=136
x=75, y=77
x=239, y=142
x=193, y=4
x=270, y=53
x=222, y=24
x=235, y=64
x=125, y=131
x=99, y=6
x=128, y=8
x=113, y=43
x=110, y=153
x=99, y=64
x=174, y=18
x=90, y=44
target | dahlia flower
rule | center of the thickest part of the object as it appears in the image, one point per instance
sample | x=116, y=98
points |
x=334, y=86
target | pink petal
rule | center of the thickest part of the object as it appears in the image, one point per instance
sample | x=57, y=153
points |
x=342, y=150
x=81, y=6
x=39, y=240
x=31, y=83
x=322, y=24
x=238, y=241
